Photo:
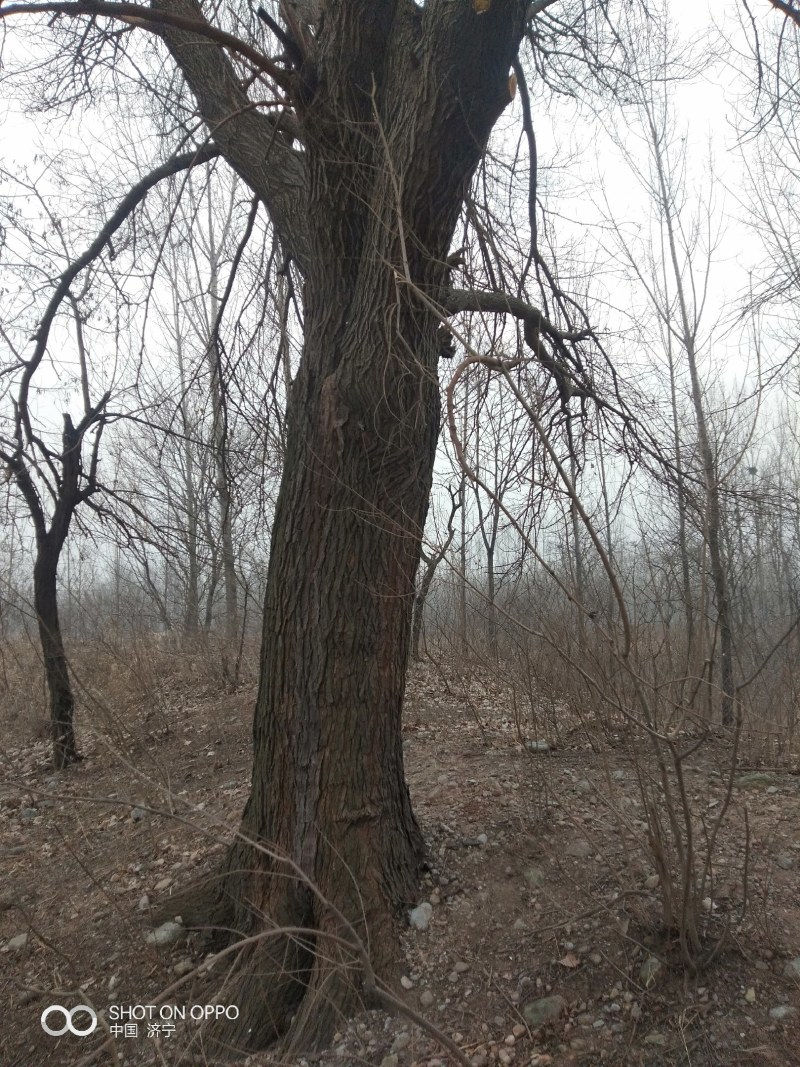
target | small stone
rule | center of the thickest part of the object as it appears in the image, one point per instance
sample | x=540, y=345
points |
x=636, y=1012
x=579, y=849
x=649, y=970
x=403, y=1040
x=167, y=934
x=482, y=839
x=652, y=882
x=144, y=902
x=750, y=995
x=534, y=877
x=28, y=814
x=426, y=998
x=583, y=786
x=138, y=814
x=618, y=776
x=537, y=746
x=480, y=1059
x=390, y=1061
x=544, y=1010
x=595, y=958
x=406, y=982
x=7, y=901
x=16, y=944
x=792, y=968
x=783, y=1011
x=785, y=862
x=420, y=917
x=772, y=790
x=164, y=883
x=461, y=967
x=519, y=1031
x=183, y=967
x=655, y=1038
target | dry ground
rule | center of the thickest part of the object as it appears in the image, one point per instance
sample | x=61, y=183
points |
x=537, y=882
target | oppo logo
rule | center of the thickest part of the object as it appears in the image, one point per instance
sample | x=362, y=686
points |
x=69, y=1025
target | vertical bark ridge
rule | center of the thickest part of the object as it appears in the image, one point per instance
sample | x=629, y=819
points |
x=395, y=121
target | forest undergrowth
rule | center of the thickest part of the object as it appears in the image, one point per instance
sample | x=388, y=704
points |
x=542, y=935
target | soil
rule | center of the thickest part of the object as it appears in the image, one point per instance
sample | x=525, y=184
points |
x=539, y=884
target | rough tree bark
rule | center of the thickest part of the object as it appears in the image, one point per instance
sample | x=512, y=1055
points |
x=394, y=106
x=59, y=686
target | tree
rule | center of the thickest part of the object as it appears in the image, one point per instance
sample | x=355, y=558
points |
x=391, y=140
x=676, y=286
x=432, y=559
x=57, y=474
x=373, y=124
x=53, y=474
x=185, y=460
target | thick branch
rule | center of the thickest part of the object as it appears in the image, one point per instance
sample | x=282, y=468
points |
x=154, y=19
x=249, y=139
x=30, y=494
x=788, y=9
x=126, y=206
x=537, y=7
x=457, y=300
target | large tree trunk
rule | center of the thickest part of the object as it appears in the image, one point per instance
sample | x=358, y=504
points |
x=59, y=687
x=395, y=120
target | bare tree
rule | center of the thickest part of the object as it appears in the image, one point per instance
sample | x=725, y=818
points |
x=55, y=477
x=431, y=560
x=674, y=275
x=361, y=140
